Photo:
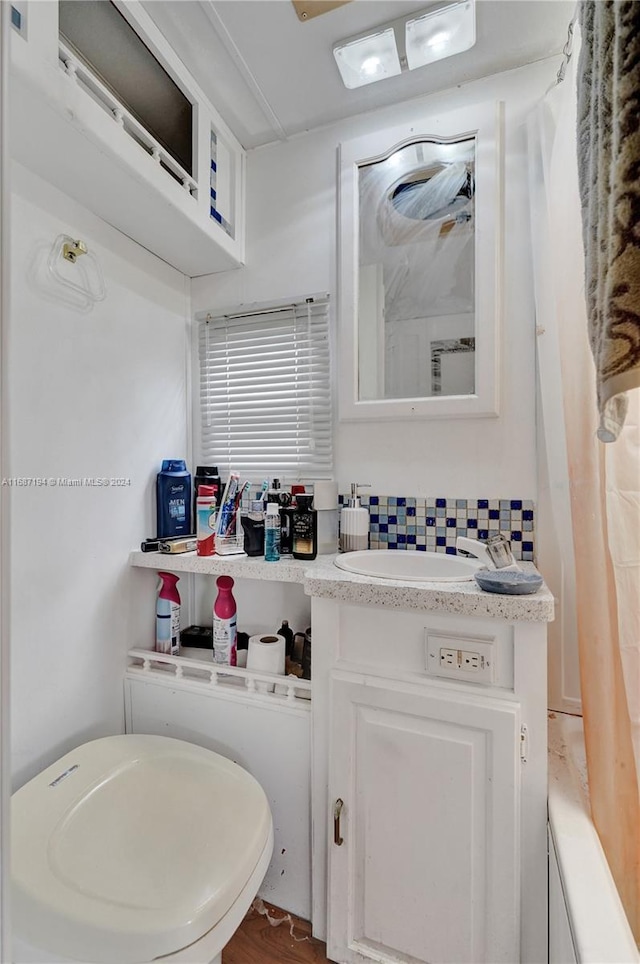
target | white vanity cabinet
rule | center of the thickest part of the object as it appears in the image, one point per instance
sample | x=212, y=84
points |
x=439, y=785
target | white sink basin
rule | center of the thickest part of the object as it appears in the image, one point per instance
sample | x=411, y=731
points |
x=408, y=565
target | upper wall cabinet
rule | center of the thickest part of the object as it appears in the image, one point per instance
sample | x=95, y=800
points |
x=103, y=108
x=421, y=269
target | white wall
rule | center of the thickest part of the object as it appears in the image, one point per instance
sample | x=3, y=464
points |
x=97, y=394
x=291, y=250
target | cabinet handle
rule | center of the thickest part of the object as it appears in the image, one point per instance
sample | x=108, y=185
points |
x=337, y=810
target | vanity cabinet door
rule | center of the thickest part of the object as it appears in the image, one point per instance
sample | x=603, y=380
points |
x=428, y=866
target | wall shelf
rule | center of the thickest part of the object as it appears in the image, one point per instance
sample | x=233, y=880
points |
x=239, y=567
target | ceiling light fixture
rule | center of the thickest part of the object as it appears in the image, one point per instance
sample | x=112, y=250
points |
x=407, y=43
x=368, y=58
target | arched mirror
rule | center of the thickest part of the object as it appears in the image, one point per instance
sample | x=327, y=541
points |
x=420, y=269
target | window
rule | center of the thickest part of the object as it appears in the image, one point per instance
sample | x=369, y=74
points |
x=265, y=391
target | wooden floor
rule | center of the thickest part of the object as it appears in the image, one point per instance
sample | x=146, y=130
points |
x=259, y=942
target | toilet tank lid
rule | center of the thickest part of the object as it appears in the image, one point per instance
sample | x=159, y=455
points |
x=131, y=847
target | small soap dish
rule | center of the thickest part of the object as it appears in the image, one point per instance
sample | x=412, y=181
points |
x=510, y=582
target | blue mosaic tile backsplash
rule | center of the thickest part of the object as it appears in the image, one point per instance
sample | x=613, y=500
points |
x=402, y=522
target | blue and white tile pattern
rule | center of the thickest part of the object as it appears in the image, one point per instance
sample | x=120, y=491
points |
x=433, y=524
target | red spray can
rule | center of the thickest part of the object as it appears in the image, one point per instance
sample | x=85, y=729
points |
x=224, y=623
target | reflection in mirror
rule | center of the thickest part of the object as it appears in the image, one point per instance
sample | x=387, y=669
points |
x=416, y=304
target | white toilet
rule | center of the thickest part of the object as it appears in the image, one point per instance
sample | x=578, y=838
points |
x=133, y=849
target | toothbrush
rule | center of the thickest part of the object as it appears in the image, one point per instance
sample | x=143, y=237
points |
x=228, y=503
x=237, y=501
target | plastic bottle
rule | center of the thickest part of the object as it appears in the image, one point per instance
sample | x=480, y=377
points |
x=173, y=492
x=206, y=517
x=287, y=634
x=206, y=475
x=224, y=623
x=305, y=528
x=272, y=533
x=354, y=522
x=168, y=615
x=273, y=494
x=286, y=529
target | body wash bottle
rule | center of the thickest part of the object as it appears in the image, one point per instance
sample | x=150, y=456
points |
x=354, y=522
x=305, y=528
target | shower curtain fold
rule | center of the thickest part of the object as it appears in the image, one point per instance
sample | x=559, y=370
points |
x=601, y=486
x=609, y=168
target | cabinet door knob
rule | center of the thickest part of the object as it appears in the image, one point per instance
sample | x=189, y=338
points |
x=337, y=810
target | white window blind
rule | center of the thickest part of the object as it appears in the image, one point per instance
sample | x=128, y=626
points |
x=265, y=391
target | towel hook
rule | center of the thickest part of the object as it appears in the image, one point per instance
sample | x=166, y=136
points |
x=72, y=250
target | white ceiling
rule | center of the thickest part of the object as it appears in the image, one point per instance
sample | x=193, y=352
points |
x=271, y=76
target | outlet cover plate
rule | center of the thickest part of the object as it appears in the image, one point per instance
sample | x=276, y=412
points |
x=468, y=658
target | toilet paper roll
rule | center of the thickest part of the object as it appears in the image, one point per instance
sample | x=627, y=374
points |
x=325, y=494
x=266, y=655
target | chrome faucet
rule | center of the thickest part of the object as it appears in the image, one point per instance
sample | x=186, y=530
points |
x=495, y=553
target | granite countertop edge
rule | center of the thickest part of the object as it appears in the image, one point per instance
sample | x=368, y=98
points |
x=322, y=579
x=461, y=598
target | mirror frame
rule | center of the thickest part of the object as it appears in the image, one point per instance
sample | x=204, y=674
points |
x=486, y=123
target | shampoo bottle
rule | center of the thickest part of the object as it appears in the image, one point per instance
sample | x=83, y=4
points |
x=354, y=522
x=173, y=490
x=168, y=615
x=224, y=623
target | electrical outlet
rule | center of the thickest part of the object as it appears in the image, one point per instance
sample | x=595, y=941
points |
x=448, y=657
x=471, y=660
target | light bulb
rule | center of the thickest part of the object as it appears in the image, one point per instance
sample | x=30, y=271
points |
x=371, y=66
x=438, y=41
x=368, y=58
x=440, y=33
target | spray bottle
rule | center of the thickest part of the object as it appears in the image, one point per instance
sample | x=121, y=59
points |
x=168, y=615
x=224, y=623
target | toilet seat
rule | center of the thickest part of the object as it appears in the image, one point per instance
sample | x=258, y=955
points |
x=131, y=848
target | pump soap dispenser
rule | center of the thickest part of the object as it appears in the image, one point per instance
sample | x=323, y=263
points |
x=354, y=522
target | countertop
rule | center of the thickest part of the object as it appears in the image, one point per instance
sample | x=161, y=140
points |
x=320, y=578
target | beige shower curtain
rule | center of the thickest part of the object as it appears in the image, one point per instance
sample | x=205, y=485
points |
x=604, y=487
